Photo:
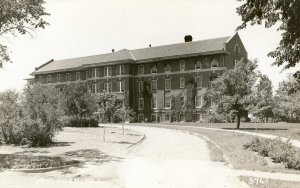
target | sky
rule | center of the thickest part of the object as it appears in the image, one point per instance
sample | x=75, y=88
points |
x=89, y=27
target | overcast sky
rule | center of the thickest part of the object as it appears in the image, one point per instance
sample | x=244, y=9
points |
x=89, y=27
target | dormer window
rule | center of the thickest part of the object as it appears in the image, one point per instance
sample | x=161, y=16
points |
x=153, y=69
x=214, y=63
x=198, y=65
x=167, y=68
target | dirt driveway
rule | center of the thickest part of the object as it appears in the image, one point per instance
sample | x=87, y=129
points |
x=166, y=158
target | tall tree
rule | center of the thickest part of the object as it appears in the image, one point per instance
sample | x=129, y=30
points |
x=284, y=12
x=263, y=98
x=19, y=17
x=232, y=92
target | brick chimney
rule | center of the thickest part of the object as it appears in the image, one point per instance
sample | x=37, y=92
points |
x=188, y=38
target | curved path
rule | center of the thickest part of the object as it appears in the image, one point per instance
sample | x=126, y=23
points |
x=169, y=158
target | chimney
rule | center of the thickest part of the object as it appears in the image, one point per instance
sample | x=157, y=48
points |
x=188, y=38
x=149, y=45
x=112, y=50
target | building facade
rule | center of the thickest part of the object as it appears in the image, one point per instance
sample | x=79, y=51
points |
x=149, y=78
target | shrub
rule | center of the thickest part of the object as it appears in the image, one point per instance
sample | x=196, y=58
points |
x=277, y=150
x=84, y=122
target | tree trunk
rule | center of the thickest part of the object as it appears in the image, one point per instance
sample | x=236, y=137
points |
x=238, y=120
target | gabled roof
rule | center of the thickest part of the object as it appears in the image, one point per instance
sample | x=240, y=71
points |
x=138, y=55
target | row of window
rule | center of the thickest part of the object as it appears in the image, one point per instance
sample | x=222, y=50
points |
x=198, y=81
x=167, y=105
x=166, y=117
x=107, y=87
x=198, y=66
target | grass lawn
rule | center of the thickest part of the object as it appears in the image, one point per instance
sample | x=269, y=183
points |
x=73, y=145
x=232, y=145
x=278, y=129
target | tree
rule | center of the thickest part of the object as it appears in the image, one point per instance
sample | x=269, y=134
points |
x=232, y=92
x=263, y=98
x=19, y=17
x=189, y=106
x=107, y=106
x=125, y=114
x=284, y=12
x=177, y=104
x=78, y=101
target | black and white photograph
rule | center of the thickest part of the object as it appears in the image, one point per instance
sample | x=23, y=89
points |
x=150, y=93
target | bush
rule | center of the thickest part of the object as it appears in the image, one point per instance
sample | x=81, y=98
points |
x=277, y=150
x=84, y=122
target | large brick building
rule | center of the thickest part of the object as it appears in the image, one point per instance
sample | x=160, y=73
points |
x=149, y=76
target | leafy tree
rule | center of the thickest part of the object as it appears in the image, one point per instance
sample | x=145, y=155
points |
x=232, y=92
x=78, y=101
x=284, y=12
x=42, y=114
x=263, y=98
x=10, y=109
x=189, y=106
x=125, y=114
x=177, y=107
x=19, y=16
x=107, y=106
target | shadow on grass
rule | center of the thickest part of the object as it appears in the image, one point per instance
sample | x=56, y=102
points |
x=59, y=144
x=259, y=129
x=123, y=142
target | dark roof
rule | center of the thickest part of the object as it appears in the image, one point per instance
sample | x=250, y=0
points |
x=166, y=51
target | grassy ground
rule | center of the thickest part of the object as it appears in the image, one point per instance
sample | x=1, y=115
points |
x=255, y=182
x=73, y=145
x=278, y=129
x=232, y=144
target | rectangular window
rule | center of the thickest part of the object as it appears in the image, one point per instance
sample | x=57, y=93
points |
x=167, y=68
x=68, y=77
x=120, y=86
x=154, y=103
x=153, y=85
x=58, y=77
x=182, y=65
x=167, y=117
x=121, y=70
x=107, y=87
x=198, y=81
x=141, y=118
x=198, y=65
x=77, y=76
x=94, y=88
x=141, y=69
x=141, y=103
x=49, y=79
x=214, y=63
x=107, y=71
x=153, y=117
x=182, y=82
x=168, y=102
x=97, y=72
x=167, y=84
x=153, y=69
x=98, y=88
x=141, y=86
x=198, y=100
x=86, y=74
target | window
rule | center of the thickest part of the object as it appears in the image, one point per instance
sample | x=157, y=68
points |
x=213, y=78
x=236, y=63
x=94, y=88
x=153, y=117
x=107, y=87
x=96, y=72
x=141, y=118
x=141, y=86
x=141, y=103
x=168, y=102
x=141, y=69
x=198, y=80
x=107, y=71
x=68, y=77
x=167, y=84
x=86, y=74
x=98, y=88
x=153, y=85
x=182, y=65
x=167, y=68
x=182, y=82
x=40, y=79
x=58, y=77
x=31, y=82
x=199, y=117
x=120, y=70
x=153, y=69
x=77, y=76
x=198, y=65
x=214, y=63
x=167, y=117
x=154, y=103
x=120, y=86
x=198, y=100
x=49, y=79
